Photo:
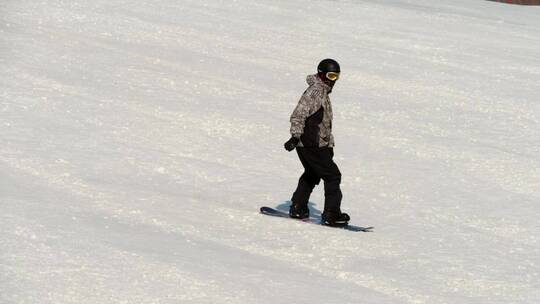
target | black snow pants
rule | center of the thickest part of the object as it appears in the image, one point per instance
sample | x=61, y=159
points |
x=319, y=164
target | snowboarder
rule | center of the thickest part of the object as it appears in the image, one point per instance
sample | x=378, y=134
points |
x=311, y=135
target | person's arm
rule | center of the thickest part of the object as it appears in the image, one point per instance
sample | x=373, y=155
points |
x=308, y=102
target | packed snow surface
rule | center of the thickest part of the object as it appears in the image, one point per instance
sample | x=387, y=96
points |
x=139, y=139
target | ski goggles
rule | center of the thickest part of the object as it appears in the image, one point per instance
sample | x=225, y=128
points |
x=333, y=76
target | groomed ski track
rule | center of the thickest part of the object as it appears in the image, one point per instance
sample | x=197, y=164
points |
x=139, y=138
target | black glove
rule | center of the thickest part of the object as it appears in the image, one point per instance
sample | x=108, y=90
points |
x=291, y=144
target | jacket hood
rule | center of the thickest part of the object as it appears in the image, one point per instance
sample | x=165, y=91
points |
x=312, y=79
x=315, y=80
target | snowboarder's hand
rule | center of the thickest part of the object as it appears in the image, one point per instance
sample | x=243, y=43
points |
x=291, y=144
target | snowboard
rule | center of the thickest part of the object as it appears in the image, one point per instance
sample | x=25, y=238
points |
x=277, y=213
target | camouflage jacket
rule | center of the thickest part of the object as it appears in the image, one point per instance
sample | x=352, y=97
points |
x=311, y=120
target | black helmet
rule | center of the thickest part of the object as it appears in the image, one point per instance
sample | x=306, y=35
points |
x=328, y=65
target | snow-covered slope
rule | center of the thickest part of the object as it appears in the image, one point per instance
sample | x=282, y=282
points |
x=139, y=138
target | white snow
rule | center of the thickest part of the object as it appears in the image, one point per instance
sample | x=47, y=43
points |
x=139, y=138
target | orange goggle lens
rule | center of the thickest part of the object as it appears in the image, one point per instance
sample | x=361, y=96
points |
x=332, y=76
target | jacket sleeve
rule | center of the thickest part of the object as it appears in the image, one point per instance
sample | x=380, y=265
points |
x=310, y=101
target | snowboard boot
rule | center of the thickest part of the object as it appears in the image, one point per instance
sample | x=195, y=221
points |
x=298, y=211
x=335, y=219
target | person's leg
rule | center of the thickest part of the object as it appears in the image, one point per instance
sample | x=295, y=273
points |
x=332, y=194
x=306, y=183
x=331, y=175
x=325, y=167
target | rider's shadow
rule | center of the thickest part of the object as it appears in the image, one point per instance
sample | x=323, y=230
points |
x=313, y=212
